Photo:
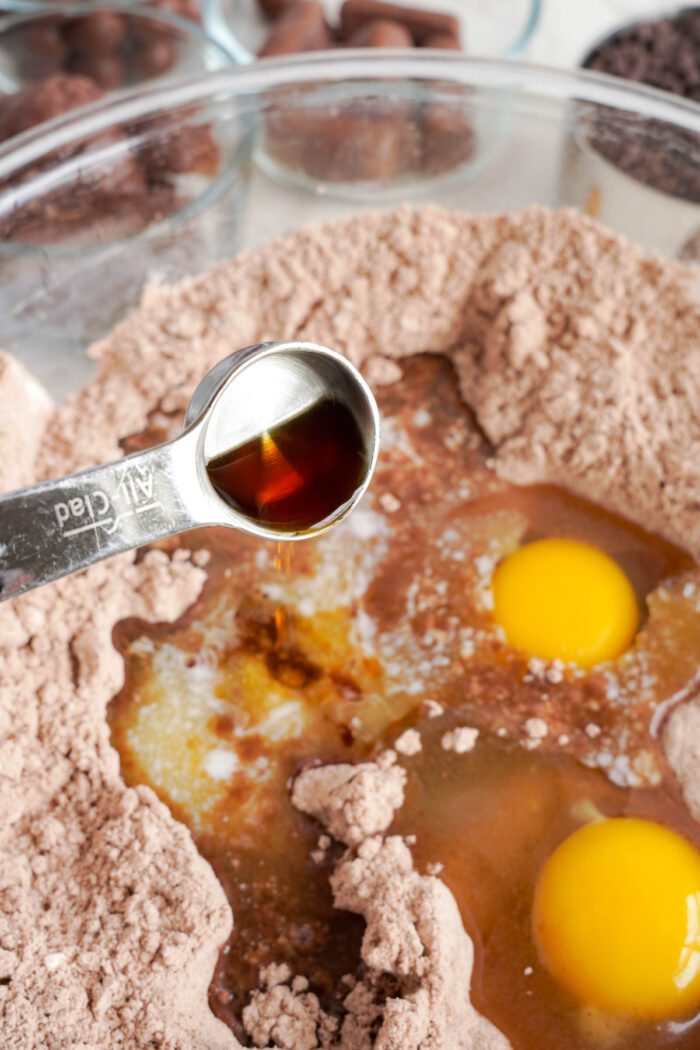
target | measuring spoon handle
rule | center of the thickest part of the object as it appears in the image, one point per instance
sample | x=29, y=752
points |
x=57, y=527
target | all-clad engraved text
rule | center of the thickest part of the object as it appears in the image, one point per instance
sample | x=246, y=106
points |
x=96, y=510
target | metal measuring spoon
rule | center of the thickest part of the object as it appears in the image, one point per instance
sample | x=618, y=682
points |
x=60, y=526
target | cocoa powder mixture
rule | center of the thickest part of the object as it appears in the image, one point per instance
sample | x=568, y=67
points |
x=581, y=360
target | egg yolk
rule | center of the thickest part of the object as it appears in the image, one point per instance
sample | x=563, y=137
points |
x=561, y=599
x=616, y=918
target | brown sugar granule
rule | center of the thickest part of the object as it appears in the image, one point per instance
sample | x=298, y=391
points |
x=409, y=743
x=460, y=740
x=285, y=1014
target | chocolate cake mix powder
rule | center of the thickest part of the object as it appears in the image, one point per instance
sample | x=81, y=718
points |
x=580, y=357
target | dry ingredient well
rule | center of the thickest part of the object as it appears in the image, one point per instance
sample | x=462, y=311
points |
x=579, y=357
x=331, y=660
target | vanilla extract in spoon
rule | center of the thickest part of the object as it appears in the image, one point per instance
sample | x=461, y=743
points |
x=298, y=473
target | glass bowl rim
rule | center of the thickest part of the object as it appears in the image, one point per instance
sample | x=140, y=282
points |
x=356, y=66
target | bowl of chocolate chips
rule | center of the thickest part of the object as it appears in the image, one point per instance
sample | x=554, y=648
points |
x=430, y=780
x=642, y=169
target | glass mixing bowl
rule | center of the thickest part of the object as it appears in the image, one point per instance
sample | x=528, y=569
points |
x=304, y=140
x=245, y=155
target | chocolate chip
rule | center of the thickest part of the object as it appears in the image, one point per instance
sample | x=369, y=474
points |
x=96, y=35
x=662, y=53
x=448, y=137
x=44, y=39
x=275, y=8
x=178, y=149
x=105, y=70
x=419, y=22
x=367, y=143
x=145, y=30
x=445, y=41
x=381, y=33
x=43, y=101
x=302, y=27
x=153, y=58
x=39, y=48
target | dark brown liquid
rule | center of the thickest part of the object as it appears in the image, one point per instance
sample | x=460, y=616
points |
x=297, y=475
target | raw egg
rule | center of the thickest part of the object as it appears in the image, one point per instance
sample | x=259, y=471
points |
x=561, y=599
x=616, y=918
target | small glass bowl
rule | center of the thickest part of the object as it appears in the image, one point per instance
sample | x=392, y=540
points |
x=149, y=196
x=115, y=45
x=491, y=30
x=643, y=170
x=167, y=184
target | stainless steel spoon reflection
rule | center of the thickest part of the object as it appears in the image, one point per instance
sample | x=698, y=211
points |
x=58, y=527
